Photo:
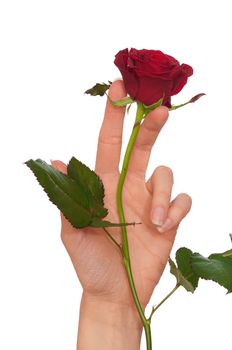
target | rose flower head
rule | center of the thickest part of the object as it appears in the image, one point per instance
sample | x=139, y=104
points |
x=150, y=75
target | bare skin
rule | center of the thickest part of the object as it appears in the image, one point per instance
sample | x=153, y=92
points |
x=97, y=261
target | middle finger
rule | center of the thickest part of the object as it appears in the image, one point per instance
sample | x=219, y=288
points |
x=146, y=138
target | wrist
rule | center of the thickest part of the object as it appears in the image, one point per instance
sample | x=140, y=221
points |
x=104, y=323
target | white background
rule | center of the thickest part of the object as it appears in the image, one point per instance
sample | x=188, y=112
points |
x=51, y=52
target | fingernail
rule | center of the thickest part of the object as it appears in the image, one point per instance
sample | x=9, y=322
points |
x=158, y=216
x=166, y=226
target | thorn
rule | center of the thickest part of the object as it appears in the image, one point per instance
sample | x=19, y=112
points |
x=136, y=223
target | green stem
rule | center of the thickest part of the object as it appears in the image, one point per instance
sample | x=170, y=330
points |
x=162, y=301
x=112, y=238
x=125, y=246
x=179, y=106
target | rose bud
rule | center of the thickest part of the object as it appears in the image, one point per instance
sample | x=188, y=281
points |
x=149, y=75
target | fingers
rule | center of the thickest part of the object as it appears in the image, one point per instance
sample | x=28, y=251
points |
x=110, y=137
x=147, y=136
x=166, y=215
x=178, y=209
x=58, y=165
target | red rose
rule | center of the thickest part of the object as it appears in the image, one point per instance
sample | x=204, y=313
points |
x=149, y=75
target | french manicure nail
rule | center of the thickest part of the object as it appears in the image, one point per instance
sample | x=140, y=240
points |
x=166, y=226
x=158, y=216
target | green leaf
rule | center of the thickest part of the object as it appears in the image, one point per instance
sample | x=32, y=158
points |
x=79, y=195
x=217, y=267
x=122, y=102
x=227, y=254
x=192, y=266
x=62, y=191
x=179, y=277
x=183, y=259
x=183, y=271
x=98, y=89
x=91, y=183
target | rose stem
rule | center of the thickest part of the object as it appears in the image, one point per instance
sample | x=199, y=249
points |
x=162, y=301
x=125, y=247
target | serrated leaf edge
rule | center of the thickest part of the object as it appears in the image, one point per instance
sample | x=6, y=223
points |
x=55, y=185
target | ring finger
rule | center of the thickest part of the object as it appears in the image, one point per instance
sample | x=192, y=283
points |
x=160, y=186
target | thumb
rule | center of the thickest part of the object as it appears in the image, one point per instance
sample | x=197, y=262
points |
x=60, y=166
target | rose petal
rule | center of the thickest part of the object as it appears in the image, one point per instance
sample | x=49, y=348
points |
x=180, y=78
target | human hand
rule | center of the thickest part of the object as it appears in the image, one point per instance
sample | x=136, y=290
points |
x=97, y=261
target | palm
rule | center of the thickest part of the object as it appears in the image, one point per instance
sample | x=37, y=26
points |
x=97, y=261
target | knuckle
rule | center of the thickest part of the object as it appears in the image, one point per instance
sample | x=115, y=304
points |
x=162, y=194
x=110, y=140
x=151, y=127
x=179, y=212
x=143, y=146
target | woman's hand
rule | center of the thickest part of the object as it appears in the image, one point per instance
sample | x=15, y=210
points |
x=97, y=261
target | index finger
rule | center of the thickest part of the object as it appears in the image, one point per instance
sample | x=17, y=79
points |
x=110, y=136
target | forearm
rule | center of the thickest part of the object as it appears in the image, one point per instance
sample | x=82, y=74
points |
x=105, y=325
